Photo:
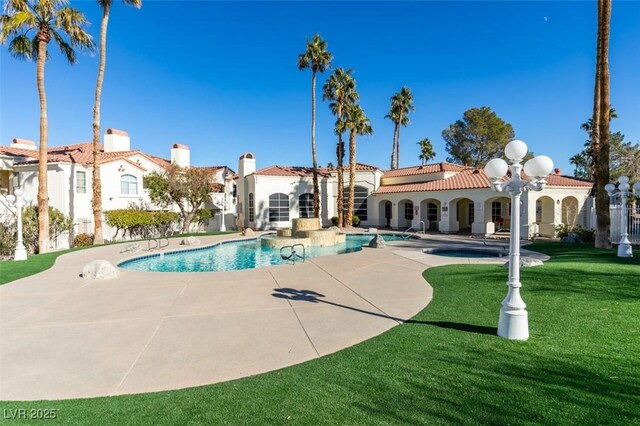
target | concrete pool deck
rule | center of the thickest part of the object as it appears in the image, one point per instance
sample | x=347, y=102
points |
x=62, y=337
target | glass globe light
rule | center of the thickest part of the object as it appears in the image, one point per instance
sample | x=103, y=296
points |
x=539, y=166
x=11, y=198
x=18, y=192
x=609, y=188
x=496, y=168
x=624, y=187
x=636, y=187
x=516, y=150
x=27, y=199
x=623, y=179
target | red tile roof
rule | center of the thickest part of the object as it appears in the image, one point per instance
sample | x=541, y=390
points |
x=423, y=170
x=290, y=171
x=472, y=179
x=81, y=153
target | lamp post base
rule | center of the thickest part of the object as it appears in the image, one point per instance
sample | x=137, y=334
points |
x=625, y=250
x=513, y=324
x=20, y=254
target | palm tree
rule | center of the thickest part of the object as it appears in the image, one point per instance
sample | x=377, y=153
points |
x=401, y=105
x=600, y=125
x=31, y=25
x=340, y=88
x=318, y=58
x=426, y=151
x=97, y=186
x=357, y=123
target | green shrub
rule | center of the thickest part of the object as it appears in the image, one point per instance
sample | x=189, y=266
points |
x=203, y=215
x=82, y=240
x=334, y=220
x=355, y=220
x=586, y=235
x=141, y=223
x=58, y=224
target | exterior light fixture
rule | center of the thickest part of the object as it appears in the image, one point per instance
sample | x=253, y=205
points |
x=514, y=322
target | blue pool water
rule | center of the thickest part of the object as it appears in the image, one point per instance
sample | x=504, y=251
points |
x=238, y=255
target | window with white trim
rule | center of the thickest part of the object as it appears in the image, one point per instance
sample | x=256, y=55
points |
x=81, y=182
x=360, y=195
x=251, y=207
x=408, y=210
x=128, y=185
x=306, y=205
x=278, y=207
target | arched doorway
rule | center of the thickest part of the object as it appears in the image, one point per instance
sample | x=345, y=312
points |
x=497, y=211
x=464, y=213
x=570, y=211
x=545, y=216
x=430, y=213
x=384, y=213
x=405, y=213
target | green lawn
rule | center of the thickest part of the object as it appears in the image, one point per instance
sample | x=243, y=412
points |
x=580, y=366
x=11, y=271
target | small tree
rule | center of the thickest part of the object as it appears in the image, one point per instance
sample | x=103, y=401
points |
x=478, y=137
x=426, y=151
x=188, y=189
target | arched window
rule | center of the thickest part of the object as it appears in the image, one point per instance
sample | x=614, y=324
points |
x=278, y=207
x=128, y=185
x=251, y=207
x=306, y=205
x=360, y=195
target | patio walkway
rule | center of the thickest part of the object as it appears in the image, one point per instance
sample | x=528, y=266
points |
x=61, y=337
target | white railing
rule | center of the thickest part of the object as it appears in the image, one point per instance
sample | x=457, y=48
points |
x=416, y=227
x=633, y=223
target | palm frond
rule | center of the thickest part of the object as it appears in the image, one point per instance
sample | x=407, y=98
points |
x=65, y=47
x=21, y=47
x=134, y=3
x=72, y=22
x=19, y=22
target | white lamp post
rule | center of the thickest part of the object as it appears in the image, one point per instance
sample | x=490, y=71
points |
x=513, y=322
x=19, y=199
x=624, y=247
x=223, y=206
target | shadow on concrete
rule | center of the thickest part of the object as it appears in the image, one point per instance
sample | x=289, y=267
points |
x=315, y=297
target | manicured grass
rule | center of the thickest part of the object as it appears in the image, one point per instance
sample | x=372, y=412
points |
x=446, y=365
x=11, y=271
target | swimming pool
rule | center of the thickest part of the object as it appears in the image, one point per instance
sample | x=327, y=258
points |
x=234, y=255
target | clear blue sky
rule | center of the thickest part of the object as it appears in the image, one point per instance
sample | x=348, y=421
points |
x=221, y=77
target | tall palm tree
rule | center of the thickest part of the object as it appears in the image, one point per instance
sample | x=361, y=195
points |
x=600, y=125
x=401, y=105
x=426, y=151
x=357, y=123
x=96, y=201
x=318, y=59
x=340, y=89
x=31, y=25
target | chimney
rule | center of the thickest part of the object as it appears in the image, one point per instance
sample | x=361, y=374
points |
x=116, y=141
x=180, y=155
x=556, y=171
x=23, y=144
x=246, y=165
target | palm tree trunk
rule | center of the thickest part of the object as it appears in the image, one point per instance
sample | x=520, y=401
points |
x=340, y=201
x=316, y=187
x=352, y=176
x=97, y=185
x=398, y=143
x=43, y=198
x=603, y=220
x=393, y=150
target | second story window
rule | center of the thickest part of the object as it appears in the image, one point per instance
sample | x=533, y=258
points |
x=81, y=182
x=128, y=185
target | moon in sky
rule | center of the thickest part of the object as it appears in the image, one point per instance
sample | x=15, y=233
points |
x=545, y=19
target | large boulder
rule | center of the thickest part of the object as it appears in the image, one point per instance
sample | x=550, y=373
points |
x=99, y=270
x=377, y=242
x=248, y=232
x=572, y=238
x=527, y=262
x=190, y=241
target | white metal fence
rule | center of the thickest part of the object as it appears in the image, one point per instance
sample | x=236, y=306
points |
x=633, y=222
